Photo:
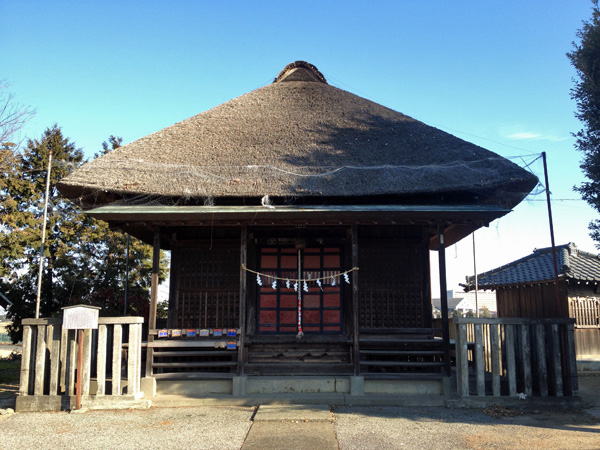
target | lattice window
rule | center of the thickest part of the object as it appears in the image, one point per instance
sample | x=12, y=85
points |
x=390, y=285
x=208, y=286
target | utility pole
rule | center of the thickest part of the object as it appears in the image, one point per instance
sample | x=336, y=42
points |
x=39, y=288
x=476, y=281
x=556, y=290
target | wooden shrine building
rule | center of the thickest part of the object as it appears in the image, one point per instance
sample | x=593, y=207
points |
x=299, y=219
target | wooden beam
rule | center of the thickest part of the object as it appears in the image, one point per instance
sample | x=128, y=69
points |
x=444, y=299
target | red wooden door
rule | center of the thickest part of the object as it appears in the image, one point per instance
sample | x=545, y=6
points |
x=321, y=306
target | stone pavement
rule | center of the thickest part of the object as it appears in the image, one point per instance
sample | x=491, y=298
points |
x=297, y=427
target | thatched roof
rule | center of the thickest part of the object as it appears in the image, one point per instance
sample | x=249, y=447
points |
x=299, y=137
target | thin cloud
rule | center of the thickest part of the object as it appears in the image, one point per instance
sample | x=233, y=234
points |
x=531, y=136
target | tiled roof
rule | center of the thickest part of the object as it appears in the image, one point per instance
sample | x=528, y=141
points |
x=572, y=263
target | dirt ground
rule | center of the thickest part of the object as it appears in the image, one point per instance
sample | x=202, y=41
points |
x=526, y=426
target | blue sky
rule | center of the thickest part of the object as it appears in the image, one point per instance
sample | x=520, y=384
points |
x=492, y=73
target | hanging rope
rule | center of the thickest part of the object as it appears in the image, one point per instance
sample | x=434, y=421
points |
x=302, y=280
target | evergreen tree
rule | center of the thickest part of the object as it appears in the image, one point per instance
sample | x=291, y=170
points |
x=84, y=260
x=586, y=59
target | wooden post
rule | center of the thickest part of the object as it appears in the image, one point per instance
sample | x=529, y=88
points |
x=101, y=364
x=54, y=358
x=87, y=361
x=356, y=348
x=79, y=368
x=462, y=356
x=25, y=361
x=40, y=360
x=242, y=299
x=153, y=300
x=556, y=362
x=495, y=355
x=133, y=358
x=571, y=381
x=444, y=299
x=511, y=367
x=64, y=363
x=116, y=359
x=479, y=361
x=71, y=362
x=526, y=359
x=540, y=338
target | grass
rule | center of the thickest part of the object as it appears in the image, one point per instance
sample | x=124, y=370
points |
x=10, y=371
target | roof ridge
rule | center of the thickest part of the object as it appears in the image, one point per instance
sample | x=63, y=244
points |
x=312, y=70
x=536, y=253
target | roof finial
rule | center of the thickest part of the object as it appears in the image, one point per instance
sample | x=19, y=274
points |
x=300, y=71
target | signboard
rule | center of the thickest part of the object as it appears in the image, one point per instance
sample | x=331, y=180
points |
x=80, y=317
x=163, y=333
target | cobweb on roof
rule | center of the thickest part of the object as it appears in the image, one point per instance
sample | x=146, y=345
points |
x=189, y=184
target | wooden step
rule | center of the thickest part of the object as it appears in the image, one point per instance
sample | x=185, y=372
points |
x=170, y=354
x=299, y=369
x=207, y=343
x=403, y=363
x=397, y=340
x=412, y=376
x=184, y=365
x=194, y=376
x=403, y=352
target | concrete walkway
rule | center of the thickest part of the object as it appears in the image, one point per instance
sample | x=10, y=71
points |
x=298, y=427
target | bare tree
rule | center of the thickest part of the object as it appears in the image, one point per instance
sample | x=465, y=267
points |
x=13, y=115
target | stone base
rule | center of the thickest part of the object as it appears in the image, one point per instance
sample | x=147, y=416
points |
x=29, y=403
x=148, y=386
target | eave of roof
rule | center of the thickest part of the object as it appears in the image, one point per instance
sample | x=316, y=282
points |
x=178, y=214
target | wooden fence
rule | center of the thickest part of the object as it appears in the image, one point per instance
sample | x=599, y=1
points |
x=111, y=359
x=586, y=312
x=515, y=356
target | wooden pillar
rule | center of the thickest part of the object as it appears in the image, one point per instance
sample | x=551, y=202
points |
x=153, y=299
x=242, y=300
x=356, y=349
x=444, y=299
x=172, y=317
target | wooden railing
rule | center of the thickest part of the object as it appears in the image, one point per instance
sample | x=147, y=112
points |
x=111, y=358
x=516, y=356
